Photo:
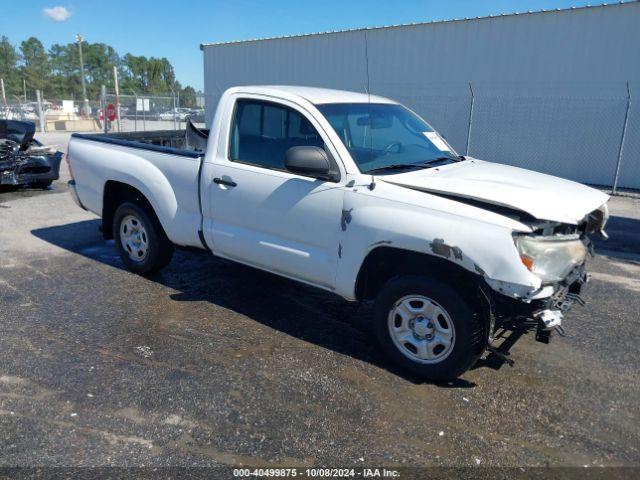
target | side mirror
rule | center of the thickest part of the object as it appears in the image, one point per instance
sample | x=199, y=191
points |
x=309, y=161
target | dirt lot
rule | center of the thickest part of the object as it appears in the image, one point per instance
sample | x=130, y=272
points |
x=211, y=363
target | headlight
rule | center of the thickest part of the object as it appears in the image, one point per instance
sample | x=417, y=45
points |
x=549, y=258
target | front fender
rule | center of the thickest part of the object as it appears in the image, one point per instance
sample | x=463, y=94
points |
x=467, y=236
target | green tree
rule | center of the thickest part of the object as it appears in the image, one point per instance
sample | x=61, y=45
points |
x=188, y=97
x=64, y=61
x=35, y=65
x=8, y=67
x=56, y=72
x=99, y=60
x=134, y=73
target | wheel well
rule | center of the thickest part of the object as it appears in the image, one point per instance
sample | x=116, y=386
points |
x=115, y=194
x=384, y=263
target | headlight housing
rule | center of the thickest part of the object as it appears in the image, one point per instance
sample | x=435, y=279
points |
x=597, y=220
x=550, y=258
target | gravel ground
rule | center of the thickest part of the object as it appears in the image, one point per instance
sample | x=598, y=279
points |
x=211, y=363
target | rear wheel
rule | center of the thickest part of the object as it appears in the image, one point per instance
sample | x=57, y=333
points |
x=140, y=239
x=425, y=327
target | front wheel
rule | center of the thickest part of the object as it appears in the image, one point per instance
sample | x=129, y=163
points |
x=425, y=327
x=140, y=240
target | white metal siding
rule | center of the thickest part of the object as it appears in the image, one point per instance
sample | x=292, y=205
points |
x=549, y=88
x=333, y=61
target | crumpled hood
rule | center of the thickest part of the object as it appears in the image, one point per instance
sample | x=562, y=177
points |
x=542, y=196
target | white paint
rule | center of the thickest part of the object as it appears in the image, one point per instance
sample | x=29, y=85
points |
x=543, y=196
x=291, y=225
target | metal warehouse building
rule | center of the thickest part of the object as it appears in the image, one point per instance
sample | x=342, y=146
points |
x=554, y=91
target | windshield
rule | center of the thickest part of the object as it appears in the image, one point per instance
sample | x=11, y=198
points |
x=387, y=137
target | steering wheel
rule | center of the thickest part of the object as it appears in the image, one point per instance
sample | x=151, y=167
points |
x=386, y=150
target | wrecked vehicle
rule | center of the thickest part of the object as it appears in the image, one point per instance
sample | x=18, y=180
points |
x=357, y=195
x=24, y=160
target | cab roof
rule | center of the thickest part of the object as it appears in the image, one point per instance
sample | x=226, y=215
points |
x=314, y=95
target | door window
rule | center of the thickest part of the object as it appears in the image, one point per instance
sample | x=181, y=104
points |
x=262, y=132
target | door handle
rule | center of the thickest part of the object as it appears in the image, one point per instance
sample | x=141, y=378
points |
x=221, y=181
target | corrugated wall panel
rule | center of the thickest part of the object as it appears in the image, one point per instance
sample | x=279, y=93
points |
x=548, y=85
x=595, y=44
x=567, y=130
x=630, y=162
x=446, y=106
x=332, y=61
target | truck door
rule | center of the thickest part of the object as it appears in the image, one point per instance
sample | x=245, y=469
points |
x=263, y=215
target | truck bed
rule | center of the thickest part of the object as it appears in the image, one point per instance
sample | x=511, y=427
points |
x=166, y=160
x=166, y=141
x=189, y=141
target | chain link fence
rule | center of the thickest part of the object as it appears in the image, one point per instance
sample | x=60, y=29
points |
x=54, y=114
x=588, y=132
x=585, y=132
x=133, y=113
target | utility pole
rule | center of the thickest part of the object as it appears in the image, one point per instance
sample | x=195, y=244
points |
x=103, y=101
x=79, y=39
x=173, y=94
x=24, y=88
x=41, y=117
x=4, y=97
x=115, y=82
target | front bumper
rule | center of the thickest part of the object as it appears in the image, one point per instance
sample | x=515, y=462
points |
x=35, y=169
x=550, y=319
x=547, y=312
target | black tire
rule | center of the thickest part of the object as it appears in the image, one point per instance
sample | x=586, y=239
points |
x=159, y=248
x=468, y=328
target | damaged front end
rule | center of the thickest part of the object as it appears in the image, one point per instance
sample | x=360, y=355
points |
x=557, y=254
x=24, y=160
x=545, y=315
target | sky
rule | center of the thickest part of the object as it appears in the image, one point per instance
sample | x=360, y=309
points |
x=173, y=29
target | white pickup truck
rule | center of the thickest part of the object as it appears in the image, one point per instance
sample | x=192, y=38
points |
x=357, y=195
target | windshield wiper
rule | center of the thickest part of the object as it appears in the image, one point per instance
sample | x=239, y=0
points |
x=439, y=159
x=404, y=166
x=399, y=166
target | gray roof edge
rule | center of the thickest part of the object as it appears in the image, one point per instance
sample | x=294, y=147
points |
x=430, y=22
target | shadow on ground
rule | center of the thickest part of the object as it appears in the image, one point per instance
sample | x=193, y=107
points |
x=292, y=308
x=624, y=238
x=12, y=192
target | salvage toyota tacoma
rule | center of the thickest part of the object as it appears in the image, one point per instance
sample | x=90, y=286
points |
x=354, y=194
x=24, y=160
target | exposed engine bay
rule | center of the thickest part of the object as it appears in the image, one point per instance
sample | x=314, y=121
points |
x=24, y=160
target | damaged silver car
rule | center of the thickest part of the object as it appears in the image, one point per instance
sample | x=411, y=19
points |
x=24, y=160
